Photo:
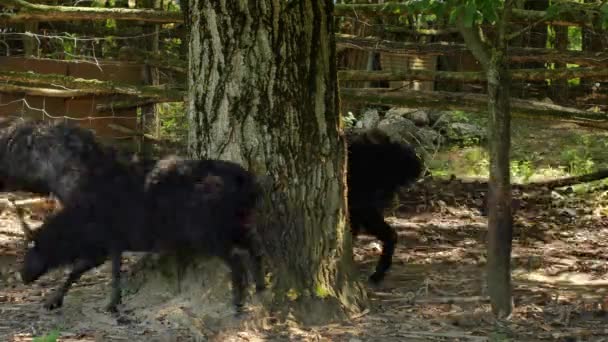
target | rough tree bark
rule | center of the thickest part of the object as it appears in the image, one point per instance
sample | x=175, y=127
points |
x=263, y=92
x=494, y=58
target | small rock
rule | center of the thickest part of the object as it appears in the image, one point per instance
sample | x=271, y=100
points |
x=419, y=117
x=569, y=212
x=369, y=119
x=440, y=116
x=399, y=128
x=556, y=195
x=547, y=100
x=375, y=246
x=400, y=111
x=429, y=137
x=458, y=131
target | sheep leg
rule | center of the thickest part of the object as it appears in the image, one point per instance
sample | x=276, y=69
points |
x=115, y=297
x=254, y=245
x=373, y=222
x=55, y=299
x=239, y=279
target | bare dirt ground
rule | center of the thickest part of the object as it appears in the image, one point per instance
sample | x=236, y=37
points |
x=435, y=291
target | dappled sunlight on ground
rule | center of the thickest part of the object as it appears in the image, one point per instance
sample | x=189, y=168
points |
x=435, y=290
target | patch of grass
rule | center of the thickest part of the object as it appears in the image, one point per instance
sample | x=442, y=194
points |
x=50, y=337
x=540, y=150
x=522, y=170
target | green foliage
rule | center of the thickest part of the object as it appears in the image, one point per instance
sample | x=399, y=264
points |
x=479, y=159
x=550, y=43
x=575, y=38
x=522, y=169
x=98, y=3
x=50, y=337
x=604, y=15
x=174, y=122
x=578, y=164
x=580, y=159
x=474, y=11
x=349, y=120
x=321, y=291
x=111, y=23
x=462, y=116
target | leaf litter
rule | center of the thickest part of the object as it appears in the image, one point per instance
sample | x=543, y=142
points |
x=434, y=292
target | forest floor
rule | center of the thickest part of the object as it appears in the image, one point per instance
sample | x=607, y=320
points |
x=435, y=290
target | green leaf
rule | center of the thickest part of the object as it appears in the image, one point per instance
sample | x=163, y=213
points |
x=553, y=11
x=454, y=13
x=437, y=8
x=470, y=10
x=604, y=16
x=489, y=10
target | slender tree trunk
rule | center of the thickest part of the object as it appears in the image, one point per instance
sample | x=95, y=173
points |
x=30, y=43
x=263, y=92
x=495, y=60
x=500, y=221
x=560, y=86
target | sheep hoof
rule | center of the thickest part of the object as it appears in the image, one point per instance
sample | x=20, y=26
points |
x=376, y=278
x=54, y=301
x=112, y=308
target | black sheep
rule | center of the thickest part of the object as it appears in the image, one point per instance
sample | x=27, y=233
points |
x=377, y=168
x=206, y=206
x=52, y=158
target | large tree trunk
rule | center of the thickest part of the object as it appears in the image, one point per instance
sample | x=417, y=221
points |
x=263, y=92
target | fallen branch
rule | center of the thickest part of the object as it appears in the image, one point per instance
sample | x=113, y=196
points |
x=450, y=335
x=471, y=76
x=453, y=300
x=140, y=58
x=568, y=181
x=81, y=87
x=122, y=105
x=27, y=11
x=46, y=92
x=420, y=31
x=516, y=54
x=481, y=185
